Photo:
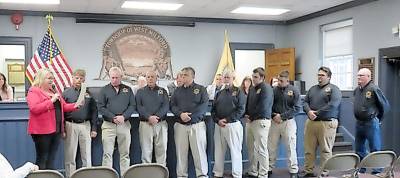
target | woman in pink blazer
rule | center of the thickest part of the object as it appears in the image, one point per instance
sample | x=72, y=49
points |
x=46, y=117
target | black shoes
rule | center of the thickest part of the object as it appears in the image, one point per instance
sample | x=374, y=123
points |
x=308, y=175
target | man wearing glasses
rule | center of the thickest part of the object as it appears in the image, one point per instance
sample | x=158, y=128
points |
x=322, y=107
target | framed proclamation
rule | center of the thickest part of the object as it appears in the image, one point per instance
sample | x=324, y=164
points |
x=16, y=74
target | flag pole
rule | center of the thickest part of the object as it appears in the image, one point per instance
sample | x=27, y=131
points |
x=49, y=18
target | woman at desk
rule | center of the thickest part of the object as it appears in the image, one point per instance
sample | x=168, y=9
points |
x=46, y=118
x=6, y=92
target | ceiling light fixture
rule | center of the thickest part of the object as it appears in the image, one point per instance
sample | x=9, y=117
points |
x=259, y=11
x=31, y=1
x=151, y=5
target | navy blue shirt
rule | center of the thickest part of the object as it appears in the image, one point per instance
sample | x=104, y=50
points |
x=192, y=99
x=325, y=100
x=286, y=102
x=229, y=103
x=112, y=103
x=259, y=102
x=152, y=101
x=369, y=102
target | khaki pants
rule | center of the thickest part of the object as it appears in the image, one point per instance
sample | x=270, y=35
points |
x=77, y=133
x=157, y=134
x=287, y=131
x=230, y=136
x=123, y=134
x=194, y=136
x=322, y=134
x=257, y=140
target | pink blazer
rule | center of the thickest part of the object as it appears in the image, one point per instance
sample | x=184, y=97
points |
x=42, y=114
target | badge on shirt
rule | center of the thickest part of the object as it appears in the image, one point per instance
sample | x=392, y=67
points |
x=258, y=91
x=87, y=95
x=125, y=90
x=160, y=92
x=368, y=94
x=290, y=93
x=234, y=93
x=196, y=91
x=328, y=90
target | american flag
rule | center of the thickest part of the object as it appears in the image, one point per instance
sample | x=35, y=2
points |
x=48, y=55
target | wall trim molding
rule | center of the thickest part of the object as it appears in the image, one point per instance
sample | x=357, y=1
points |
x=180, y=21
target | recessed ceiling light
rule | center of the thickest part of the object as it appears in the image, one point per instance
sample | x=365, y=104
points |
x=31, y=1
x=151, y=5
x=259, y=11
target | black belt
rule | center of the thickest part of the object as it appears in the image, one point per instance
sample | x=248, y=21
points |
x=77, y=122
x=323, y=119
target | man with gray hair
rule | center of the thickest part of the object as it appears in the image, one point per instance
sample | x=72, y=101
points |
x=116, y=104
x=227, y=110
x=152, y=105
x=80, y=125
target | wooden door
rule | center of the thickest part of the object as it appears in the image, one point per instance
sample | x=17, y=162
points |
x=277, y=60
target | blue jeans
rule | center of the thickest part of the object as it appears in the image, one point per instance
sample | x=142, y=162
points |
x=367, y=131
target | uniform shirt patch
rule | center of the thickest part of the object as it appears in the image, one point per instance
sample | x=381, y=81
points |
x=258, y=91
x=368, y=94
x=328, y=90
x=234, y=93
x=160, y=92
x=125, y=90
x=290, y=93
x=196, y=91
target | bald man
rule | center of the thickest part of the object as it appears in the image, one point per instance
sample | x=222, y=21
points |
x=370, y=105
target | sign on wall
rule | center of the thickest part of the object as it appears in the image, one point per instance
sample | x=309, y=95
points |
x=137, y=49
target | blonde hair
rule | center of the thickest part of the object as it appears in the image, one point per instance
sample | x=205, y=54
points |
x=41, y=76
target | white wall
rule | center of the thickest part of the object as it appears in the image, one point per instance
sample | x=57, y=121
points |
x=371, y=30
x=199, y=47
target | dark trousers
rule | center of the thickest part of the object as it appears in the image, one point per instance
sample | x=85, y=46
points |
x=46, y=146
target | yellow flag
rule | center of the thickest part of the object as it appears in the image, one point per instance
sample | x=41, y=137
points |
x=226, y=62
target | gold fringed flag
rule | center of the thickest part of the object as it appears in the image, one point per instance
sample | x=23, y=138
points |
x=226, y=62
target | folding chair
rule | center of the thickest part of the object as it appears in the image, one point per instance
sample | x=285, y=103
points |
x=45, y=174
x=95, y=172
x=147, y=170
x=379, y=159
x=344, y=162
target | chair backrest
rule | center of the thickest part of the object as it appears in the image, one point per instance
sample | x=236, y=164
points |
x=95, y=172
x=341, y=162
x=45, y=174
x=378, y=159
x=147, y=170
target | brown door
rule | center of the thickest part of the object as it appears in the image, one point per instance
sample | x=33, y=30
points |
x=277, y=60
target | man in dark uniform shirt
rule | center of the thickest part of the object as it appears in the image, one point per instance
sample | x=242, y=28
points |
x=116, y=104
x=228, y=108
x=152, y=105
x=284, y=109
x=258, y=117
x=189, y=105
x=80, y=125
x=322, y=107
x=370, y=105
